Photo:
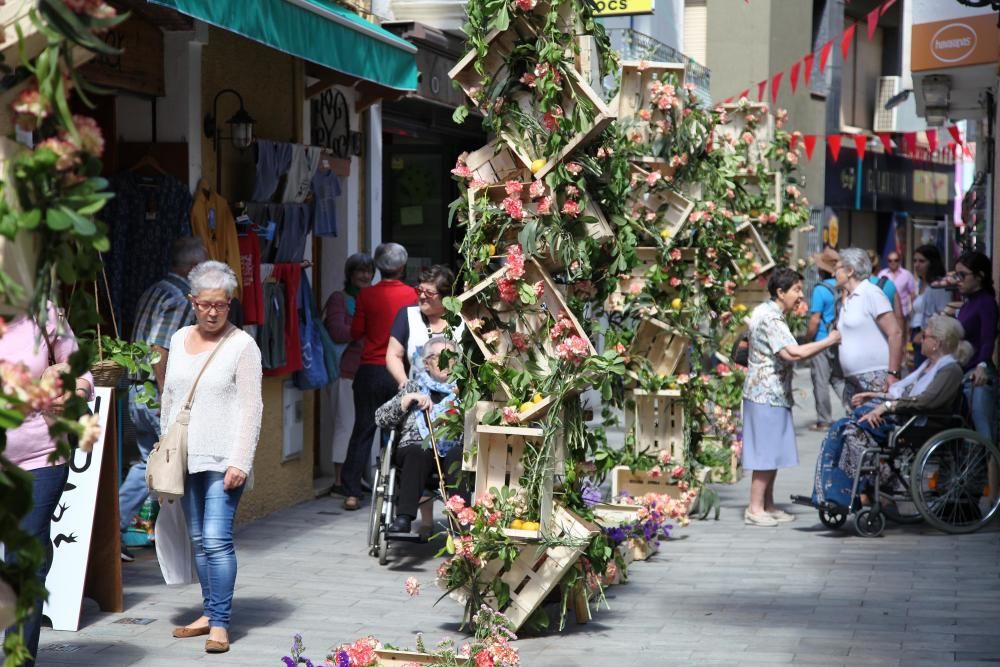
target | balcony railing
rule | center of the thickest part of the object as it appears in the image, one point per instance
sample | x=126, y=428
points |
x=633, y=45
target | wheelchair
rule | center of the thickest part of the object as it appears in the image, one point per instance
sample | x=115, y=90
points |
x=383, y=506
x=939, y=473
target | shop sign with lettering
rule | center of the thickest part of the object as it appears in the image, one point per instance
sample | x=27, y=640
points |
x=623, y=7
x=957, y=42
x=887, y=183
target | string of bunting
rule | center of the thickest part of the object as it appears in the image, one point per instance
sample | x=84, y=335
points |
x=805, y=64
x=906, y=143
x=802, y=70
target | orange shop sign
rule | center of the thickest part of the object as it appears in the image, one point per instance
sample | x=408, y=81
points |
x=956, y=43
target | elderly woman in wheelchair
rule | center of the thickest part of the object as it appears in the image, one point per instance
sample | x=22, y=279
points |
x=910, y=444
x=426, y=397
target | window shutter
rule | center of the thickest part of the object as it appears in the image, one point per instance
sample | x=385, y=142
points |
x=696, y=31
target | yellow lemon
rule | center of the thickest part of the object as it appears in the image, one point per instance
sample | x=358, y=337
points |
x=493, y=250
x=537, y=165
x=676, y=304
x=740, y=308
x=517, y=524
x=530, y=525
x=537, y=398
x=665, y=234
x=527, y=405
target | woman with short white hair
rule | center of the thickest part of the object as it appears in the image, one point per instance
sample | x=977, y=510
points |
x=872, y=340
x=223, y=431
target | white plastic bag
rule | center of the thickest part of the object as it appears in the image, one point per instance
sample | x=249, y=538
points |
x=173, y=546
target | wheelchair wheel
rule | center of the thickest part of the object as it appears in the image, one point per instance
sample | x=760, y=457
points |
x=950, y=481
x=869, y=524
x=832, y=519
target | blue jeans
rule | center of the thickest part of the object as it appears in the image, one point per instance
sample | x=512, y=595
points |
x=133, y=491
x=982, y=403
x=209, y=511
x=45, y=493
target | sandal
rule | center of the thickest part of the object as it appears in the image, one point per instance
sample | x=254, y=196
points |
x=351, y=503
x=821, y=427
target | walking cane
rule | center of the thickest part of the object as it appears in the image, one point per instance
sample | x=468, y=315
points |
x=452, y=521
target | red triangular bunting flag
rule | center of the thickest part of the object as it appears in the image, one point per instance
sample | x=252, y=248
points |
x=952, y=148
x=776, y=87
x=809, y=141
x=761, y=88
x=807, y=68
x=872, y=22
x=793, y=75
x=909, y=143
x=932, y=139
x=886, y=140
x=886, y=6
x=956, y=134
x=793, y=142
x=728, y=100
x=745, y=93
x=967, y=151
x=833, y=141
x=824, y=55
x=847, y=39
x=860, y=141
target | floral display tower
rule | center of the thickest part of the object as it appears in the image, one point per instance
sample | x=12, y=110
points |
x=615, y=241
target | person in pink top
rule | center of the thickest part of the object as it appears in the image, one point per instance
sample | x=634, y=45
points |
x=30, y=445
x=906, y=284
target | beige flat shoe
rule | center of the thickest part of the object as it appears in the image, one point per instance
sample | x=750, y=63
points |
x=185, y=633
x=762, y=519
x=781, y=516
x=212, y=646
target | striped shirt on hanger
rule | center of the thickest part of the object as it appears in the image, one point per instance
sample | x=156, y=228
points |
x=163, y=309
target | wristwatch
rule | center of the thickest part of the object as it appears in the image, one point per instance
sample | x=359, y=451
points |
x=894, y=374
x=889, y=405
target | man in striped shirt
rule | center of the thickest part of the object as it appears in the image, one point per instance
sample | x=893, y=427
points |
x=163, y=309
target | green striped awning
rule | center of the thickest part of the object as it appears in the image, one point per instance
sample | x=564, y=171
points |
x=319, y=31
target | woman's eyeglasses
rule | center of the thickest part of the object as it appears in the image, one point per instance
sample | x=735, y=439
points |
x=962, y=275
x=206, y=306
x=427, y=293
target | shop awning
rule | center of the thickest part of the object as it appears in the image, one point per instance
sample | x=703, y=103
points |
x=318, y=31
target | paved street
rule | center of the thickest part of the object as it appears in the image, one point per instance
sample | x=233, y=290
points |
x=720, y=593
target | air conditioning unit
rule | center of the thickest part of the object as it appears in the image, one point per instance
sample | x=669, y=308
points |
x=885, y=121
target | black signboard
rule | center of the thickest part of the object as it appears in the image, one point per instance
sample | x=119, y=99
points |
x=889, y=183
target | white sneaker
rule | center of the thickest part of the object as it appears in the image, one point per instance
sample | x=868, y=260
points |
x=762, y=519
x=781, y=516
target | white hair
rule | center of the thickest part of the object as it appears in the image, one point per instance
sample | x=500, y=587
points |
x=390, y=258
x=213, y=275
x=437, y=343
x=948, y=331
x=857, y=261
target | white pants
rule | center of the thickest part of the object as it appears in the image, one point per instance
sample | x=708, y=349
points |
x=342, y=397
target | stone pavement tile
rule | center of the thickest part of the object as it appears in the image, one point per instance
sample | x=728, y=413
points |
x=978, y=656
x=874, y=655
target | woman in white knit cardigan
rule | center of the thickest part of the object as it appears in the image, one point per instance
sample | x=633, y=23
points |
x=222, y=437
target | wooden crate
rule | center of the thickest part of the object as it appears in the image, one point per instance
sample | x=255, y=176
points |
x=761, y=261
x=472, y=419
x=664, y=348
x=535, y=572
x=495, y=163
x=500, y=464
x=394, y=658
x=647, y=258
x=639, y=483
x=640, y=548
x=499, y=47
x=634, y=94
x=574, y=89
x=736, y=124
x=592, y=222
x=610, y=515
x=657, y=419
x=533, y=322
x=671, y=209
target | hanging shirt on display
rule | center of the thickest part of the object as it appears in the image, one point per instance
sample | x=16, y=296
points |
x=292, y=233
x=305, y=160
x=145, y=217
x=326, y=189
x=289, y=275
x=273, y=160
x=213, y=223
x=253, y=298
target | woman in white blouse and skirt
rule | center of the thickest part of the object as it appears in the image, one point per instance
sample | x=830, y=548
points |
x=222, y=437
